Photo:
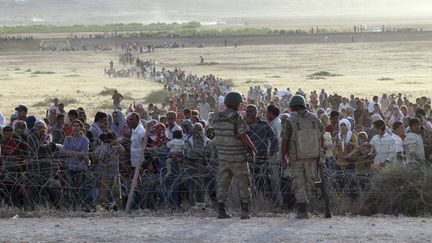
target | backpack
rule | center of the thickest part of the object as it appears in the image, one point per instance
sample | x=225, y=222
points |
x=233, y=119
x=306, y=136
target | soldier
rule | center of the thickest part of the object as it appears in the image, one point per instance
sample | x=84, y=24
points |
x=301, y=135
x=232, y=144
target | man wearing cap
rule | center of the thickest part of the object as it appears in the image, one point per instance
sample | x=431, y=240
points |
x=21, y=112
x=38, y=138
x=232, y=144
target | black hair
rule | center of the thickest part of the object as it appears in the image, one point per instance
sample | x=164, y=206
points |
x=89, y=135
x=59, y=116
x=110, y=136
x=379, y=124
x=186, y=111
x=413, y=121
x=420, y=112
x=73, y=113
x=396, y=125
x=178, y=134
x=273, y=109
x=99, y=116
x=334, y=114
x=210, y=133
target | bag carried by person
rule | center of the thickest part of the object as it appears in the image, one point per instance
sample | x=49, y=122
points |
x=306, y=136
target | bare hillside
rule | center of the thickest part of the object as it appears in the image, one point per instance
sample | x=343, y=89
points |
x=69, y=12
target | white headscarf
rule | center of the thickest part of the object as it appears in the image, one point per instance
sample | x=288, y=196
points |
x=348, y=135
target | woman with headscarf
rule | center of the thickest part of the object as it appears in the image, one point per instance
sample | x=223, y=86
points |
x=21, y=130
x=395, y=116
x=346, y=150
x=346, y=145
x=118, y=122
x=157, y=135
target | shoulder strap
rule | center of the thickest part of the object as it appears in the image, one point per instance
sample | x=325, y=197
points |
x=298, y=126
x=235, y=118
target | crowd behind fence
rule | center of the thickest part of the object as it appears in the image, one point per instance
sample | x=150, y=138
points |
x=66, y=162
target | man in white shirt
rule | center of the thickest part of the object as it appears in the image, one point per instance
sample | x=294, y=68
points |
x=54, y=105
x=204, y=109
x=172, y=125
x=344, y=105
x=137, y=137
x=413, y=143
x=371, y=105
x=384, y=145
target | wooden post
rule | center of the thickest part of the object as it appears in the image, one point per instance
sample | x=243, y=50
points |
x=136, y=173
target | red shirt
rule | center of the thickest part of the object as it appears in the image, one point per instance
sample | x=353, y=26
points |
x=8, y=149
x=332, y=130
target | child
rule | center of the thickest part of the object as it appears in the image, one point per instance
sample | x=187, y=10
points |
x=108, y=155
x=147, y=186
x=175, y=150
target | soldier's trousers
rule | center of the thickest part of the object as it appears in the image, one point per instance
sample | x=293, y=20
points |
x=302, y=172
x=229, y=170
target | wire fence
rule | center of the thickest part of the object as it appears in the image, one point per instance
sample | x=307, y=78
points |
x=185, y=183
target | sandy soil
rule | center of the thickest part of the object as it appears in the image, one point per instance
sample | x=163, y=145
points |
x=366, y=69
x=284, y=228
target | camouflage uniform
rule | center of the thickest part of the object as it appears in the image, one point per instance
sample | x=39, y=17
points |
x=232, y=154
x=302, y=170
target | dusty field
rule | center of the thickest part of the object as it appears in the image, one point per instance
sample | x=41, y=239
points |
x=284, y=228
x=404, y=67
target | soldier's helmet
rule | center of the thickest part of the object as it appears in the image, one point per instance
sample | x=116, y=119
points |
x=233, y=98
x=297, y=100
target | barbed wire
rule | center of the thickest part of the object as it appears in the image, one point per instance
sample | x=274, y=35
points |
x=27, y=182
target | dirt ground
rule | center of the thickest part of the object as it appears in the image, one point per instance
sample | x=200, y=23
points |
x=283, y=228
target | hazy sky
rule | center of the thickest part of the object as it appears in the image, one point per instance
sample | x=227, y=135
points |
x=14, y=12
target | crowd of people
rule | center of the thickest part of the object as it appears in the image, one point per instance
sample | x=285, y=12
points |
x=66, y=160
x=14, y=38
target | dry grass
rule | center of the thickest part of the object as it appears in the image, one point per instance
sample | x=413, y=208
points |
x=43, y=72
x=156, y=97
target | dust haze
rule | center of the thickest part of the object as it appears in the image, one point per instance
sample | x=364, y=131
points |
x=233, y=12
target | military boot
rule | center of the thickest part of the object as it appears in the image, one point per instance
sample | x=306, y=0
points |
x=244, y=210
x=222, y=213
x=302, y=212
